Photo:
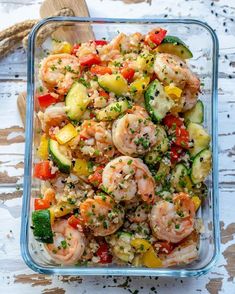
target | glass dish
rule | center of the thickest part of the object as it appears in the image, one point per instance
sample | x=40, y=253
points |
x=204, y=63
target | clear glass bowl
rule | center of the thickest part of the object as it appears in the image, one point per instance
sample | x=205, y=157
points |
x=204, y=45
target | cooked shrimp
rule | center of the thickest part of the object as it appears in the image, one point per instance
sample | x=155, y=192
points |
x=134, y=134
x=173, y=221
x=68, y=245
x=58, y=72
x=184, y=253
x=102, y=215
x=126, y=177
x=53, y=116
x=96, y=140
x=172, y=69
x=121, y=43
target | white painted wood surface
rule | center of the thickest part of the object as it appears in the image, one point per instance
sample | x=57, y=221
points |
x=15, y=277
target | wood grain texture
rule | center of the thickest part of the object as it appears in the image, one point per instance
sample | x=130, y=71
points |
x=15, y=277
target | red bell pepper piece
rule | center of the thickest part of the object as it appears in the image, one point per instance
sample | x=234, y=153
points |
x=41, y=204
x=75, y=49
x=46, y=100
x=90, y=59
x=164, y=247
x=74, y=221
x=175, y=153
x=100, y=42
x=104, y=94
x=128, y=73
x=100, y=70
x=181, y=137
x=42, y=170
x=96, y=178
x=157, y=36
x=103, y=253
x=172, y=121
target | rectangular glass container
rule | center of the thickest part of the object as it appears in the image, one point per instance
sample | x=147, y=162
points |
x=204, y=45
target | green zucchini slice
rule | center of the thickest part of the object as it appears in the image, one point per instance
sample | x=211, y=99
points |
x=61, y=160
x=201, y=166
x=174, y=45
x=42, y=226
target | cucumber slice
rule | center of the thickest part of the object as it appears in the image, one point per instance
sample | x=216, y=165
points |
x=113, y=83
x=180, y=179
x=76, y=101
x=156, y=101
x=112, y=111
x=199, y=137
x=196, y=114
x=161, y=146
x=61, y=160
x=42, y=226
x=174, y=45
x=201, y=166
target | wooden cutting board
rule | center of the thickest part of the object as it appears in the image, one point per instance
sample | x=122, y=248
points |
x=48, y=8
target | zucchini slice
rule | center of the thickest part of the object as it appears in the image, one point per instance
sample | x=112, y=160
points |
x=121, y=247
x=180, y=179
x=112, y=111
x=201, y=166
x=58, y=156
x=156, y=101
x=196, y=114
x=199, y=137
x=174, y=45
x=113, y=83
x=155, y=154
x=76, y=101
x=42, y=226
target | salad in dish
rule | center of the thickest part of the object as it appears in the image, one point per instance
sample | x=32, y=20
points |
x=123, y=155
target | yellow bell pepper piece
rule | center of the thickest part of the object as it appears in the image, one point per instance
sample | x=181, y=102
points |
x=139, y=85
x=61, y=47
x=145, y=61
x=65, y=134
x=81, y=167
x=52, y=215
x=150, y=259
x=62, y=209
x=197, y=202
x=140, y=245
x=42, y=151
x=173, y=91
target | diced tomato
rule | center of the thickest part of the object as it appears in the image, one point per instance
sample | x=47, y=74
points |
x=41, y=204
x=104, y=94
x=96, y=178
x=74, y=221
x=100, y=70
x=42, y=170
x=100, y=42
x=172, y=121
x=46, y=100
x=103, y=253
x=128, y=73
x=175, y=153
x=164, y=247
x=181, y=137
x=90, y=59
x=156, y=36
x=75, y=49
x=92, y=115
